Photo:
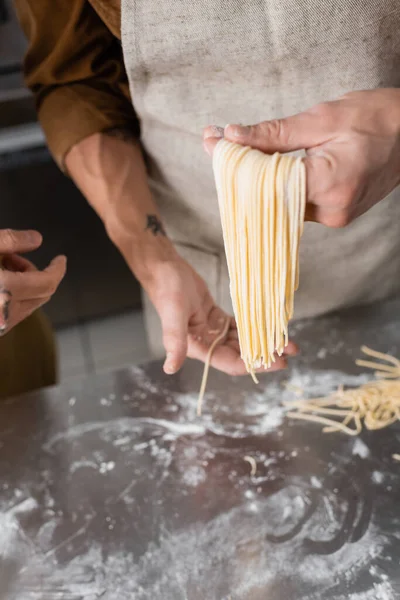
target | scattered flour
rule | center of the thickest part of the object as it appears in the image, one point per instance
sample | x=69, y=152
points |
x=183, y=564
x=25, y=506
x=105, y=467
x=193, y=476
x=360, y=448
x=378, y=477
x=232, y=551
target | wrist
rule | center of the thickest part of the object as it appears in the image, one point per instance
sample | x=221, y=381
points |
x=144, y=248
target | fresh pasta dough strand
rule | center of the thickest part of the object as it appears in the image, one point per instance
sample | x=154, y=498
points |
x=261, y=200
x=204, y=379
x=337, y=425
x=381, y=355
x=378, y=366
x=269, y=233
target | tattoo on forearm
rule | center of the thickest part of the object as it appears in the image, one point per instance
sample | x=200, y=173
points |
x=5, y=309
x=122, y=133
x=154, y=225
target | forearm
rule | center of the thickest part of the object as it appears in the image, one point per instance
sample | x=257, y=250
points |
x=109, y=170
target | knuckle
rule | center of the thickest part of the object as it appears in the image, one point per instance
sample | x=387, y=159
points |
x=52, y=288
x=326, y=114
x=336, y=221
x=5, y=282
x=324, y=110
x=173, y=344
x=8, y=238
x=275, y=129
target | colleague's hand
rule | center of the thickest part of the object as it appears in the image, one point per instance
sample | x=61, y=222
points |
x=352, y=146
x=191, y=320
x=23, y=288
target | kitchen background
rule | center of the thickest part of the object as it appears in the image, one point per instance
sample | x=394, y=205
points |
x=97, y=309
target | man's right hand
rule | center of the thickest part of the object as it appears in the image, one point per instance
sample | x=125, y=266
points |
x=23, y=288
x=191, y=321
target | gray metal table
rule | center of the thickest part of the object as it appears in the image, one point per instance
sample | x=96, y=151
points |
x=112, y=488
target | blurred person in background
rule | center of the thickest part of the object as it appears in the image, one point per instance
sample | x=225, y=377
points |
x=124, y=89
x=27, y=350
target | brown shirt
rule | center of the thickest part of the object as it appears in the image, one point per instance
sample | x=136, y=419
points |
x=75, y=69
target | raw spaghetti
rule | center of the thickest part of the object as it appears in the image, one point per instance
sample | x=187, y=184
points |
x=374, y=405
x=262, y=202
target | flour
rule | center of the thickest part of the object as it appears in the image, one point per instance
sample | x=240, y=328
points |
x=242, y=550
x=184, y=562
x=378, y=477
x=360, y=449
x=194, y=476
x=25, y=506
x=262, y=411
x=105, y=467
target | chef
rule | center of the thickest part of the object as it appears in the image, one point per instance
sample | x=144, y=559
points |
x=124, y=90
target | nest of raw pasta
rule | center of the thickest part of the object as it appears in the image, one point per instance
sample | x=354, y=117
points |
x=374, y=405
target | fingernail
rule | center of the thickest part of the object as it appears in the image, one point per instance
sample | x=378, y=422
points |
x=34, y=237
x=236, y=130
x=169, y=367
x=290, y=351
x=61, y=258
x=213, y=132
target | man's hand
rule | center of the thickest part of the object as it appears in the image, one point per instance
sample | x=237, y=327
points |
x=353, y=151
x=111, y=173
x=23, y=288
x=191, y=321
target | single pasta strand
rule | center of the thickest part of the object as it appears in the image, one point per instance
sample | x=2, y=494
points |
x=207, y=365
x=269, y=236
x=384, y=375
x=345, y=421
x=325, y=411
x=380, y=355
x=372, y=365
x=323, y=420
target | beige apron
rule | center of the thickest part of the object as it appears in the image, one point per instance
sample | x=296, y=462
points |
x=195, y=63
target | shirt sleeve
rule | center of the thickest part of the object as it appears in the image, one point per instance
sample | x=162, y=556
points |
x=75, y=69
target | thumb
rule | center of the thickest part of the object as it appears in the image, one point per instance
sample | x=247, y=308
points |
x=174, y=323
x=303, y=130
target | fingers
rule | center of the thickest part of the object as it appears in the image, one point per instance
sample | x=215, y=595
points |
x=227, y=360
x=35, y=284
x=13, y=241
x=56, y=269
x=175, y=328
x=226, y=356
x=24, y=289
x=304, y=130
x=16, y=263
x=211, y=137
x=291, y=349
